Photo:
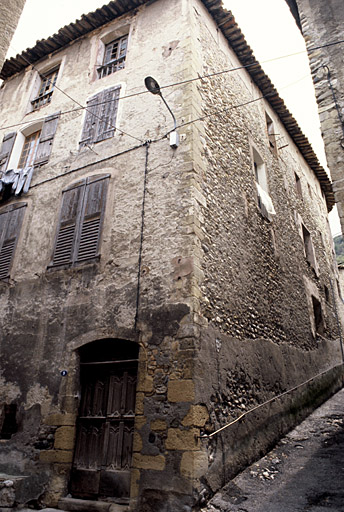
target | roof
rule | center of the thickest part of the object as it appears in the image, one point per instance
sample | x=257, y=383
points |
x=226, y=22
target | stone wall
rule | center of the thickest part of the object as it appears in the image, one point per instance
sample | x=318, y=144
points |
x=258, y=338
x=322, y=25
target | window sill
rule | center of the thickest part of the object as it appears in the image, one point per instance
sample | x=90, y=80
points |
x=75, y=265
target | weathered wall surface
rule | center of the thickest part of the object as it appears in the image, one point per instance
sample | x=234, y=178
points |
x=10, y=11
x=224, y=318
x=260, y=339
x=322, y=25
x=57, y=311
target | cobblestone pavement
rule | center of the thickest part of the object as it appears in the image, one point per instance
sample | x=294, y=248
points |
x=304, y=472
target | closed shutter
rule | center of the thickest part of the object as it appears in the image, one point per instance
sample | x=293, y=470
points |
x=6, y=150
x=10, y=223
x=68, y=225
x=92, y=218
x=90, y=123
x=81, y=220
x=107, y=114
x=46, y=139
x=101, y=114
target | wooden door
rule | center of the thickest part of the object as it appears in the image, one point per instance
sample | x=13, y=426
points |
x=105, y=429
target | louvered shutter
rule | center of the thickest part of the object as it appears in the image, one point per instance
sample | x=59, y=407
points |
x=10, y=223
x=92, y=218
x=6, y=149
x=46, y=139
x=91, y=119
x=68, y=225
x=107, y=114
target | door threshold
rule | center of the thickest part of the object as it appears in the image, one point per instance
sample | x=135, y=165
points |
x=78, y=505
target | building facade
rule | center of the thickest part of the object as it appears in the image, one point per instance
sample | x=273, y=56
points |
x=321, y=24
x=10, y=12
x=152, y=294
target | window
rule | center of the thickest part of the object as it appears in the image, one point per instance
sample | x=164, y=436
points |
x=6, y=150
x=114, y=56
x=298, y=186
x=271, y=133
x=264, y=200
x=30, y=147
x=101, y=114
x=29, y=151
x=46, y=89
x=309, y=249
x=11, y=219
x=318, y=316
x=8, y=421
x=81, y=219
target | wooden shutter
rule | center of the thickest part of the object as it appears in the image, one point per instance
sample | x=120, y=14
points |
x=10, y=223
x=46, y=139
x=68, y=224
x=6, y=149
x=107, y=114
x=92, y=218
x=90, y=123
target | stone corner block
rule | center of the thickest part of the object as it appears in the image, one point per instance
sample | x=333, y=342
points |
x=181, y=391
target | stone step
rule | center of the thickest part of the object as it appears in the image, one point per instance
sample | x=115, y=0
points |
x=76, y=505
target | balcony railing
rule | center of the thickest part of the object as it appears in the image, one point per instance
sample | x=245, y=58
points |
x=111, y=67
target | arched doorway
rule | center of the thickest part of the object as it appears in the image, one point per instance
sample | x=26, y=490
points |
x=105, y=424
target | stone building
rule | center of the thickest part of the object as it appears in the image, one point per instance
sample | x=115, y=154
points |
x=10, y=11
x=321, y=24
x=152, y=294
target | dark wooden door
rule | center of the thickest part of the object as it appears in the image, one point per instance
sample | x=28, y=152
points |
x=105, y=429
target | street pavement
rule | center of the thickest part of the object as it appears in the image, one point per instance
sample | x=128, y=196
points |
x=304, y=472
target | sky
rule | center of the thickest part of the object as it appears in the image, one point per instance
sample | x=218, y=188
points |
x=269, y=29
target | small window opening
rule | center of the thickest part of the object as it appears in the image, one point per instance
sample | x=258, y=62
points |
x=48, y=81
x=298, y=186
x=114, y=56
x=9, y=422
x=327, y=293
x=271, y=133
x=318, y=316
x=308, y=245
x=339, y=291
x=310, y=191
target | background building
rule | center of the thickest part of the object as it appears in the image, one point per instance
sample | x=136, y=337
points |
x=321, y=24
x=10, y=11
x=151, y=294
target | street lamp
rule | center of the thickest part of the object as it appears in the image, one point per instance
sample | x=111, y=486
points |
x=153, y=87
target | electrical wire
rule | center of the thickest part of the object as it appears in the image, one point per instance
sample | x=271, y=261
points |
x=77, y=102
x=209, y=436
x=175, y=84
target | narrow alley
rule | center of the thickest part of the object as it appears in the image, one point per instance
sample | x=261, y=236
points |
x=304, y=472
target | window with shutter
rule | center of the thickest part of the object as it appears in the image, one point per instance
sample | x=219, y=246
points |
x=114, y=56
x=11, y=219
x=101, y=114
x=6, y=150
x=81, y=219
x=46, y=89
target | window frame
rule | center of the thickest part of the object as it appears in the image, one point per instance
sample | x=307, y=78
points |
x=110, y=66
x=76, y=230
x=270, y=128
x=14, y=215
x=44, y=94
